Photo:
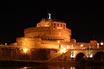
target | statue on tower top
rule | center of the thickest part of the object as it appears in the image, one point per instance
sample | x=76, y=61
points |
x=45, y=22
x=49, y=15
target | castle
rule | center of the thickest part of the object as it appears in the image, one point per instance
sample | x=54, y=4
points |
x=49, y=41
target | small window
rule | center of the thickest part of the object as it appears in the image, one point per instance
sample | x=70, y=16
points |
x=58, y=25
x=54, y=25
x=61, y=25
x=64, y=26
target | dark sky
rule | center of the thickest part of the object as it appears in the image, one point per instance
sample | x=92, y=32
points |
x=85, y=18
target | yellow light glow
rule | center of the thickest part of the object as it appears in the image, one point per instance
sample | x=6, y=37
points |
x=91, y=55
x=25, y=39
x=58, y=42
x=72, y=67
x=62, y=47
x=25, y=68
x=25, y=50
x=72, y=46
x=81, y=45
x=68, y=47
x=63, y=50
x=97, y=45
x=101, y=43
x=72, y=54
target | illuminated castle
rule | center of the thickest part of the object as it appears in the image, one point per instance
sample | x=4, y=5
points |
x=46, y=31
x=49, y=41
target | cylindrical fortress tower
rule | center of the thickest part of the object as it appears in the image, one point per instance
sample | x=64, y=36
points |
x=48, y=29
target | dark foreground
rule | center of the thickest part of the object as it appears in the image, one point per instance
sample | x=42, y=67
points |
x=22, y=65
x=52, y=66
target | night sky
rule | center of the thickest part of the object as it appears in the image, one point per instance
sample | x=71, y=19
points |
x=85, y=18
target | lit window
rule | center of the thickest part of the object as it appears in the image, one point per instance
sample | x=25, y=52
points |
x=61, y=25
x=58, y=25
x=54, y=25
x=64, y=26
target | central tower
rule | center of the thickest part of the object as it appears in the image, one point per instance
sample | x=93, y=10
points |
x=48, y=29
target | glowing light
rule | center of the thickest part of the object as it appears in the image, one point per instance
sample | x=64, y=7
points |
x=81, y=45
x=63, y=50
x=25, y=68
x=25, y=50
x=61, y=46
x=97, y=45
x=72, y=46
x=5, y=43
x=25, y=39
x=91, y=55
x=68, y=47
x=58, y=42
x=83, y=48
x=101, y=43
x=72, y=67
x=72, y=55
x=63, y=68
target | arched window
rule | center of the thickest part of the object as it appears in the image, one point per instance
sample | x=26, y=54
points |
x=64, y=26
x=61, y=25
x=54, y=25
x=58, y=25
